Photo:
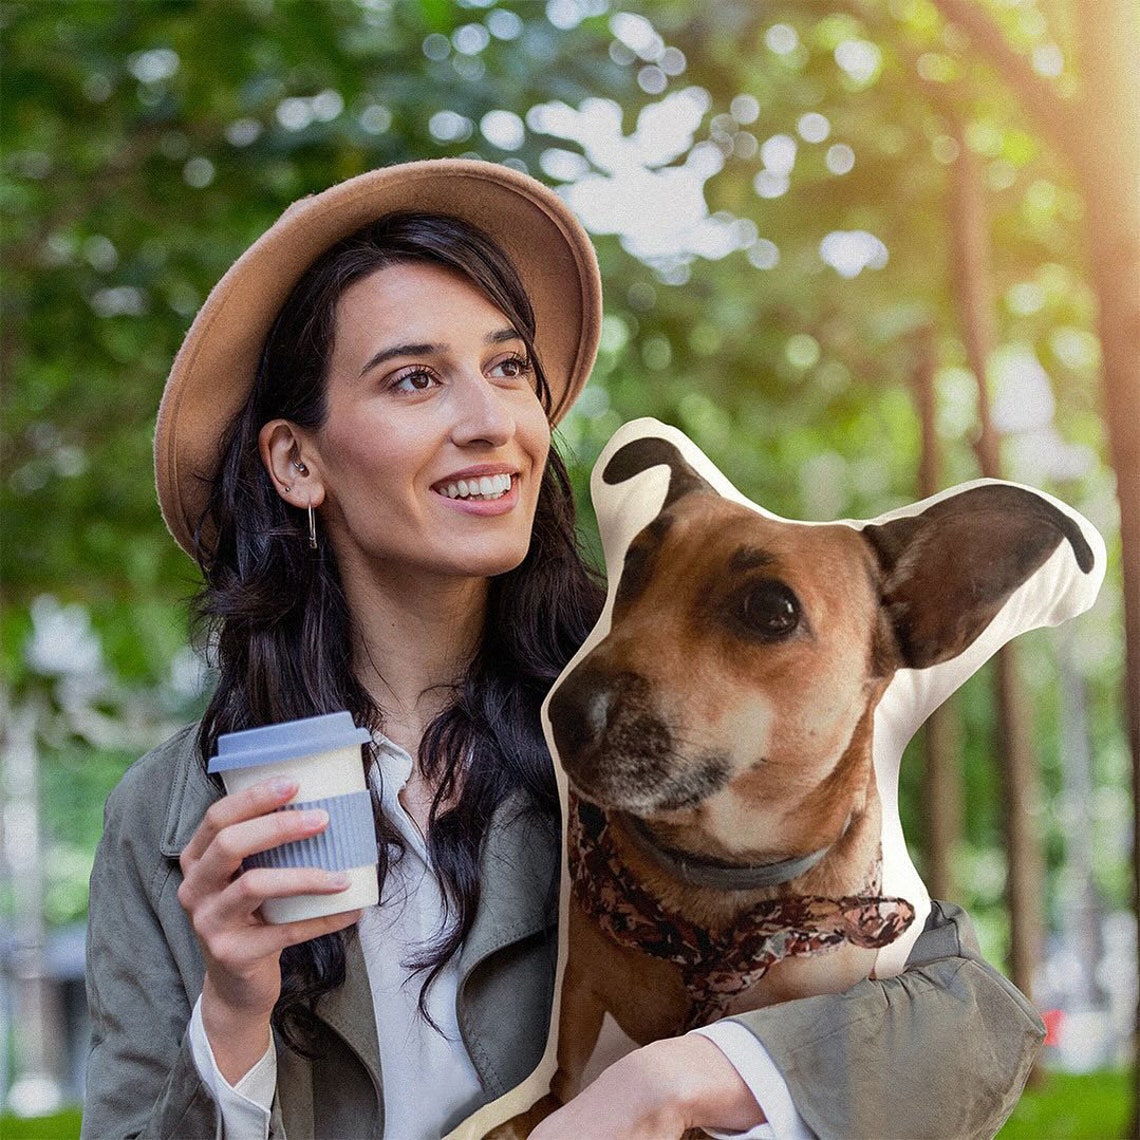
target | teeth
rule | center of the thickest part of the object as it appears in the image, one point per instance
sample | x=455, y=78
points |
x=485, y=487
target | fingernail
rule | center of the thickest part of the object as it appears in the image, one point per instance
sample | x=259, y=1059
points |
x=315, y=817
x=339, y=879
x=282, y=786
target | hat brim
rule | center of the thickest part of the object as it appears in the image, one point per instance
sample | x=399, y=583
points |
x=214, y=370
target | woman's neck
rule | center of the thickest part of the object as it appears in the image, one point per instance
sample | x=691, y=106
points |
x=413, y=645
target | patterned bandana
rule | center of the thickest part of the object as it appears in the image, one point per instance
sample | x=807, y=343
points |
x=715, y=968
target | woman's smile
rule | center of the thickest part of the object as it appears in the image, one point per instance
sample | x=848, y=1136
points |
x=479, y=488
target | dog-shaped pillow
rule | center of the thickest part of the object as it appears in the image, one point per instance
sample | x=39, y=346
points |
x=728, y=740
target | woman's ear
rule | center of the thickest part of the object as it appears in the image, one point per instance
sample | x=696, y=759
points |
x=288, y=459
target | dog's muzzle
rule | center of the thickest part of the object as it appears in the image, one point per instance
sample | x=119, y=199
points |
x=620, y=752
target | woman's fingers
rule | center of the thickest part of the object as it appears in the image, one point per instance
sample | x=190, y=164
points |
x=222, y=900
x=241, y=949
x=224, y=856
x=217, y=879
x=237, y=949
x=656, y=1093
x=235, y=936
x=215, y=891
x=222, y=859
x=280, y=882
x=250, y=889
x=258, y=800
x=290, y=933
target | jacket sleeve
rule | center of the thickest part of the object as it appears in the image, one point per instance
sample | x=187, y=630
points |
x=141, y=1076
x=943, y=1049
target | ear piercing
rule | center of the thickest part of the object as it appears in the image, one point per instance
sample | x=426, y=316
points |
x=287, y=487
x=301, y=470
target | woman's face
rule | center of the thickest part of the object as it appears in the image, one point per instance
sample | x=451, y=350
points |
x=434, y=443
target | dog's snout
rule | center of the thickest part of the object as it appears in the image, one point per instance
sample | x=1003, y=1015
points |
x=617, y=748
x=580, y=710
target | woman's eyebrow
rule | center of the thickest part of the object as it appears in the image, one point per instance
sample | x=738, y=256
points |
x=397, y=350
x=500, y=336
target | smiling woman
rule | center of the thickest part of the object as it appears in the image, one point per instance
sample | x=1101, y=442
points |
x=403, y=361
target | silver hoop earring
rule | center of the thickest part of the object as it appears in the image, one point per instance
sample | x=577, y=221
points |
x=312, y=529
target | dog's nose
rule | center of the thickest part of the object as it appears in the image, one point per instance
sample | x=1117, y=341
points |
x=580, y=711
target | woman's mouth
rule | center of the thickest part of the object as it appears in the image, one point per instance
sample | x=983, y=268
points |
x=484, y=488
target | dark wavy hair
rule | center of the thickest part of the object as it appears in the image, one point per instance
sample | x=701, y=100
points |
x=274, y=614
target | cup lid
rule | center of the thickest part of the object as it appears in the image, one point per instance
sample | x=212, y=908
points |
x=287, y=741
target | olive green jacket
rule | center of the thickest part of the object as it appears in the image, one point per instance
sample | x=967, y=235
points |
x=942, y=1050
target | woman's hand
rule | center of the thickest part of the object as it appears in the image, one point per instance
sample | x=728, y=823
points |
x=656, y=1093
x=242, y=950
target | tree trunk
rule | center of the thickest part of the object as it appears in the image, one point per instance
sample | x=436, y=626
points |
x=1109, y=171
x=1080, y=909
x=1021, y=795
x=942, y=776
x=1100, y=136
x=1021, y=807
x=942, y=795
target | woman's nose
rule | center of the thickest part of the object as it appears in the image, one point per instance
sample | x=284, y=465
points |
x=482, y=413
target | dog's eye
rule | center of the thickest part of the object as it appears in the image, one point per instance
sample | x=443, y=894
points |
x=769, y=609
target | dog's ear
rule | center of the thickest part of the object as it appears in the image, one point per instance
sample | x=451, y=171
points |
x=948, y=571
x=641, y=454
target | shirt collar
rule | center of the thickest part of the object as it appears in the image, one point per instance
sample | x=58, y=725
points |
x=388, y=775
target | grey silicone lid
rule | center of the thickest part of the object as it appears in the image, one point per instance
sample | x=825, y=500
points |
x=287, y=741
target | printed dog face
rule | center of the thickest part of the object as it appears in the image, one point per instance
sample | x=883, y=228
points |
x=742, y=656
x=735, y=690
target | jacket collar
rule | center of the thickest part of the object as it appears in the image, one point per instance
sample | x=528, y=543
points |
x=348, y=1010
x=516, y=864
x=191, y=794
x=518, y=882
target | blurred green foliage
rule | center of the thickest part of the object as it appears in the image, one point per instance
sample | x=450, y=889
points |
x=57, y=1126
x=144, y=145
x=1066, y=1106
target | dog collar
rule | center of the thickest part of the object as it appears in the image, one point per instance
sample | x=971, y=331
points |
x=717, y=967
x=700, y=872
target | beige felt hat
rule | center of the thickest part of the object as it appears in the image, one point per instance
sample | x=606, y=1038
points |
x=214, y=370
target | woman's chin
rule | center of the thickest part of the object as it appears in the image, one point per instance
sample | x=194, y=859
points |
x=495, y=567
x=476, y=564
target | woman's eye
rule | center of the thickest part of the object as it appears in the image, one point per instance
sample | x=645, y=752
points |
x=418, y=380
x=513, y=367
x=768, y=610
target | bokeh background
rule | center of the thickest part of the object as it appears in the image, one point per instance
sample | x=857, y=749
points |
x=859, y=250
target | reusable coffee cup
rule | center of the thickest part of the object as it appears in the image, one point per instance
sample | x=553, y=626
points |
x=322, y=754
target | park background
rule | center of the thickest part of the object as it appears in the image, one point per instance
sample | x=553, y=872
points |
x=859, y=250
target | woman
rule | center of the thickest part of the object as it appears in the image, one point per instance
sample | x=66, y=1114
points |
x=384, y=528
